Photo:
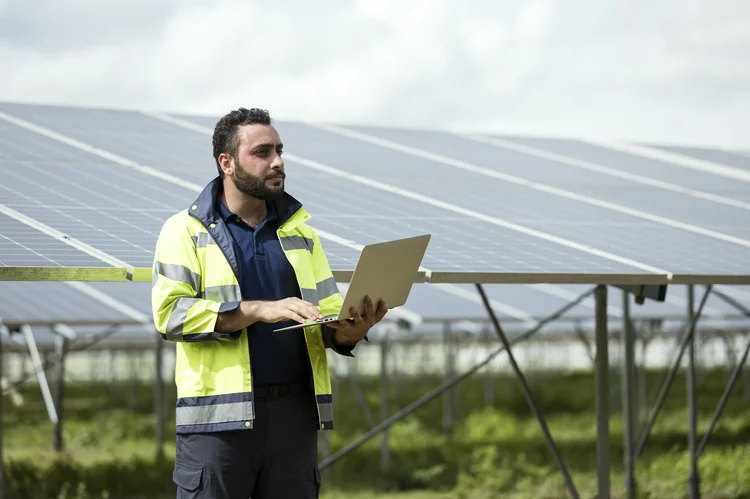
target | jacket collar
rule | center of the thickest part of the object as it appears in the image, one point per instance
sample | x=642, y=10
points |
x=205, y=207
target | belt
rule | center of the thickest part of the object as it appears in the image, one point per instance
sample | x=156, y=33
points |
x=273, y=391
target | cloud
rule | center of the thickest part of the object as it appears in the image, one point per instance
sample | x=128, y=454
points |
x=671, y=71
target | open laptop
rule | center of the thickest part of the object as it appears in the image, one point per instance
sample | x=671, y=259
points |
x=385, y=271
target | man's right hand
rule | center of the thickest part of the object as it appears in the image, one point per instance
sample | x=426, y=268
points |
x=250, y=312
x=288, y=309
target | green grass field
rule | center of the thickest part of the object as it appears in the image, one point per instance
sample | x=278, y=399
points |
x=491, y=452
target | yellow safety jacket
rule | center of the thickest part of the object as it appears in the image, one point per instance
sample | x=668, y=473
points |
x=195, y=277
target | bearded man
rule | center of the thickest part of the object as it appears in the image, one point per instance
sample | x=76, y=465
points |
x=234, y=266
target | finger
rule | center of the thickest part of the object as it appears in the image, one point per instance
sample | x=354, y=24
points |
x=315, y=312
x=295, y=317
x=382, y=310
x=369, y=310
x=355, y=315
x=310, y=309
x=344, y=325
x=306, y=309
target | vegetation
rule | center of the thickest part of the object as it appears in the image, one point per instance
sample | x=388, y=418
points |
x=491, y=452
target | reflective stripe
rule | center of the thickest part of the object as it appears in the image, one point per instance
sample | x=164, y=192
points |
x=310, y=295
x=202, y=240
x=324, y=289
x=225, y=293
x=178, y=273
x=325, y=408
x=289, y=243
x=178, y=317
x=219, y=413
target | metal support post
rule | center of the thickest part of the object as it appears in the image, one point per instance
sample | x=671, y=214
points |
x=61, y=347
x=446, y=385
x=602, y=394
x=529, y=396
x=489, y=379
x=732, y=378
x=2, y=458
x=628, y=396
x=448, y=397
x=693, y=478
x=40, y=374
x=385, y=447
x=353, y=377
x=159, y=408
x=671, y=375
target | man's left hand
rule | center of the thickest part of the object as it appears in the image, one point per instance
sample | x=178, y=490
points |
x=351, y=331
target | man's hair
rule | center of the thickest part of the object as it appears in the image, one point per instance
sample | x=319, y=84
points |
x=225, y=133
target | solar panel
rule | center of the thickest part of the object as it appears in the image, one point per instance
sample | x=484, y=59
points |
x=24, y=302
x=650, y=241
x=137, y=204
x=27, y=303
x=637, y=165
x=484, y=227
x=26, y=253
x=729, y=158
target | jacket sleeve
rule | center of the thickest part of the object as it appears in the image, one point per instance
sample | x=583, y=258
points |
x=329, y=297
x=179, y=311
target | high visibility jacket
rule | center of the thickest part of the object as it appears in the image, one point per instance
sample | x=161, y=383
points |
x=195, y=277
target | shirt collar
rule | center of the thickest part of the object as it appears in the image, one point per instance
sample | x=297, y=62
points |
x=226, y=214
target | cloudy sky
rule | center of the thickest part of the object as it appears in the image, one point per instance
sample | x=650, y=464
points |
x=670, y=71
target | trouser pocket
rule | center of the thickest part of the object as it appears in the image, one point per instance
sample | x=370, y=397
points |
x=189, y=481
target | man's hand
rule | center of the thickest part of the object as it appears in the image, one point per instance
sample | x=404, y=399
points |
x=250, y=312
x=349, y=332
x=288, y=309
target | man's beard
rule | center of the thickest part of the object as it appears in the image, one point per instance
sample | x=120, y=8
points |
x=256, y=187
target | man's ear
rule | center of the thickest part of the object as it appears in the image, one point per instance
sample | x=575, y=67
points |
x=226, y=162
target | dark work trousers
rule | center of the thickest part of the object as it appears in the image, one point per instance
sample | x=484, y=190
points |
x=278, y=458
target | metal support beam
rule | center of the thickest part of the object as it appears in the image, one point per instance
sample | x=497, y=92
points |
x=693, y=477
x=628, y=396
x=528, y=395
x=602, y=394
x=450, y=371
x=446, y=385
x=671, y=375
x=385, y=444
x=61, y=348
x=160, y=415
x=2, y=458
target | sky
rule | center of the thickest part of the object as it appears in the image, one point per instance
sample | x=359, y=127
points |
x=657, y=71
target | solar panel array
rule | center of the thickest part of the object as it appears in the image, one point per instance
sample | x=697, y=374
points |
x=90, y=188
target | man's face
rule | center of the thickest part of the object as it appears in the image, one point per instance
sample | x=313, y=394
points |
x=258, y=169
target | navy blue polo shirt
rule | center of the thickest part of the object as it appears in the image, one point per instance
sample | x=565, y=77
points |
x=266, y=274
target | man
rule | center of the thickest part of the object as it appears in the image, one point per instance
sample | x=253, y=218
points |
x=237, y=264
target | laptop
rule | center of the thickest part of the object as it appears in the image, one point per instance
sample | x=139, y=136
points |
x=385, y=271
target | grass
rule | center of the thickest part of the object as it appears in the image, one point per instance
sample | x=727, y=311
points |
x=491, y=452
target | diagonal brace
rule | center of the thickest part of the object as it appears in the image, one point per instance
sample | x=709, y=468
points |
x=446, y=385
x=671, y=375
x=529, y=396
x=732, y=379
